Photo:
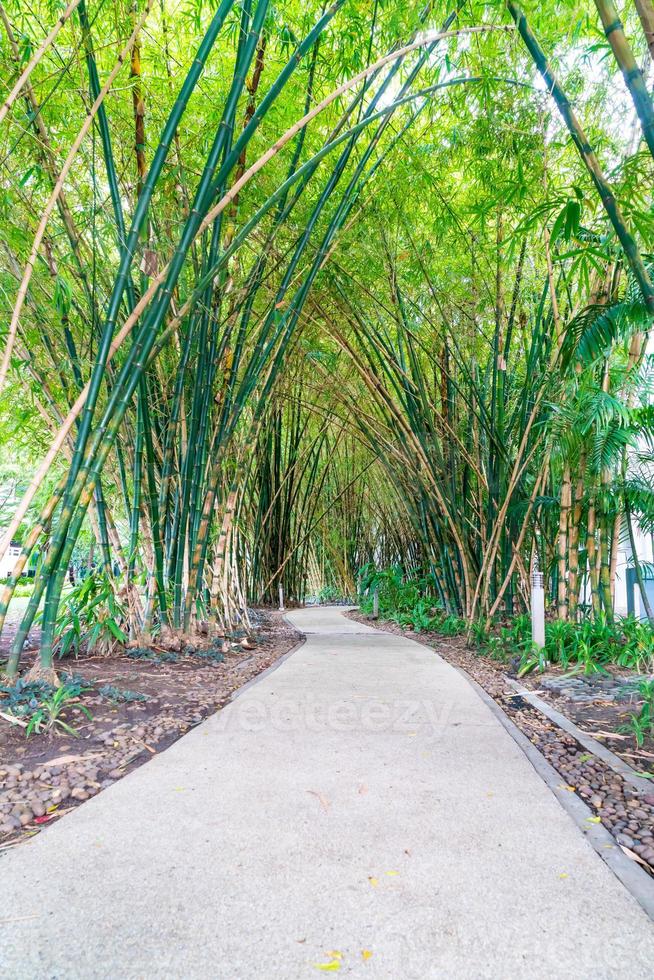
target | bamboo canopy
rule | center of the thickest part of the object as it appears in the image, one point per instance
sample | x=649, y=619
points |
x=291, y=291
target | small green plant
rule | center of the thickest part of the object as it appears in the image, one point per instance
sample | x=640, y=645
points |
x=479, y=634
x=452, y=626
x=642, y=724
x=495, y=648
x=637, y=652
x=145, y=653
x=22, y=698
x=533, y=660
x=47, y=717
x=327, y=594
x=116, y=696
x=91, y=617
x=213, y=653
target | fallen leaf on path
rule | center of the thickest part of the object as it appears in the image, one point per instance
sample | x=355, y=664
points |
x=324, y=802
x=392, y=872
x=373, y=881
x=593, y=819
x=335, y=957
x=366, y=954
x=564, y=874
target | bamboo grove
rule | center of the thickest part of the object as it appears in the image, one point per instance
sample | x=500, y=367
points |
x=292, y=289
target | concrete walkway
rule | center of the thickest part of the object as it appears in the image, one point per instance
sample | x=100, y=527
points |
x=358, y=808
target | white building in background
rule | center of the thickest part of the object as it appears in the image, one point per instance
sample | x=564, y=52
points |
x=8, y=560
x=627, y=594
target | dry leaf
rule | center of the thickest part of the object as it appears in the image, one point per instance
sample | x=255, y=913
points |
x=324, y=802
x=335, y=956
x=63, y=760
x=366, y=954
x=605, y=735
x=634, y=857
x=12, y=720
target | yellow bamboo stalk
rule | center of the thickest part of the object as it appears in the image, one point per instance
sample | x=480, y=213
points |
x=47, y=212
x=36, y=57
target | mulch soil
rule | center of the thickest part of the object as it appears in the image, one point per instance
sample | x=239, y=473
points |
x=43, y=776
x=623, y=810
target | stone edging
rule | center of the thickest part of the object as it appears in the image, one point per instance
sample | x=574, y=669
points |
x=597, y=748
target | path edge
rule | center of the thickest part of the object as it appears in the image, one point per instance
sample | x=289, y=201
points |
x=636, y=881
x=301, y=640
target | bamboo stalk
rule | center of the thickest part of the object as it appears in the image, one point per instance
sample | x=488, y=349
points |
x=36, y=57
x=631, y=73
x=56, y=193
x=587, y=155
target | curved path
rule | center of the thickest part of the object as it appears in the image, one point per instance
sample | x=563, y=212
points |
x=360, y=809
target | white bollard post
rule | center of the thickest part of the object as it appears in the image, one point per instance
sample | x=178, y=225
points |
x=281, y=597
x=537, y=608
x=375, y=604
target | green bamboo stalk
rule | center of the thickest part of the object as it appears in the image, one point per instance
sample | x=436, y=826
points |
x=579, y=138
x=631, y=73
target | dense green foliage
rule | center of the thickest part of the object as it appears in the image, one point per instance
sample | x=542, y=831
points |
x=243, y=351
x=588, y=646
